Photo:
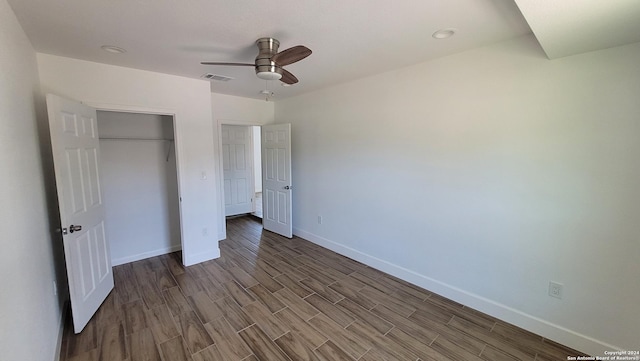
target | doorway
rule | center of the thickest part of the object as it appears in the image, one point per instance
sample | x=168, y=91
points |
x=140, y=184
x=275, y=146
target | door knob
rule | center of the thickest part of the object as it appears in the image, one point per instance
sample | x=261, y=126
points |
x=288, y=187
x=73, y=228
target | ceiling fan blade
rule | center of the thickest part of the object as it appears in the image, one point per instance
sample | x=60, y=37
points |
x=291, y=55
x=288, y=78
x=230, y=64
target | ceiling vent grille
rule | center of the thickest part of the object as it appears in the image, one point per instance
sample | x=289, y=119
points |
x=217, y=77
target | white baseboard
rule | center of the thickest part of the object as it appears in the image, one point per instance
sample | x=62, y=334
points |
x=201, y=257
x=63, y=317
x=140, y=256
x=528, y=322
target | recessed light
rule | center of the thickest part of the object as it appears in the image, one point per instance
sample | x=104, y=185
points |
x=113, y=49
x=444, y=33
x=285, y=84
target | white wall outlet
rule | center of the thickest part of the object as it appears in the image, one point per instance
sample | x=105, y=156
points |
x=319, y=219
x=555, y=289
x=203, y=175
x=55, y=288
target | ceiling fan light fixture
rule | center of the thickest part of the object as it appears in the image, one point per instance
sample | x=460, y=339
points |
x=267, y=75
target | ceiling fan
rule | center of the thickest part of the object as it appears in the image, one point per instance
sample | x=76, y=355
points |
x=269, y=62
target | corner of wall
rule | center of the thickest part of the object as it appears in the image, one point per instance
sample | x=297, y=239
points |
x=190, y=260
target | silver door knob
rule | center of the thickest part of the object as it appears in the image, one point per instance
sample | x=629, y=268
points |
x=73, y=228
x=288, y=187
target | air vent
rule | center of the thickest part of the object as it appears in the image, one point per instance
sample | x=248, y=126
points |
x=217, y=77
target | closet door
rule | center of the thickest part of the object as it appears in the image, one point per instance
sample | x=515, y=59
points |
x=76, y=154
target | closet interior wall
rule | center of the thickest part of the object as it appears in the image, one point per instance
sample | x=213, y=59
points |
x=140, y=186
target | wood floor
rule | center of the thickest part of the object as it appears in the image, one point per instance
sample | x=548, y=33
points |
x=271, y=298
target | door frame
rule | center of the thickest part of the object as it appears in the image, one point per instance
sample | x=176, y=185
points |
x=106, y=107
x=218, y=137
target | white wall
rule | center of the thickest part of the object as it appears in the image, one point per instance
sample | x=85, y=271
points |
x=139, y=185
x=237, y=110
x=482, y=176
x=234, y=110
x=189, y=100
x=30, y=314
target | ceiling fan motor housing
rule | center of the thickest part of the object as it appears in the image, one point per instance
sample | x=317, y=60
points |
x=265, y=67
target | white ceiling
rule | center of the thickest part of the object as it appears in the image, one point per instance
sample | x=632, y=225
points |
x=350, y=39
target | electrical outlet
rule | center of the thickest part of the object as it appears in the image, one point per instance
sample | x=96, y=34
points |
x=319, y=219
x=555, y=289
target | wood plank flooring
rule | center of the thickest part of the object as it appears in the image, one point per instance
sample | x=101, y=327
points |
x=271, y=298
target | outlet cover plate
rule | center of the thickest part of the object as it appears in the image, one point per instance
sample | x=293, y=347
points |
x=556, y=289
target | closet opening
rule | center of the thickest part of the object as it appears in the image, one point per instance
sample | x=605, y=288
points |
x=140, y=184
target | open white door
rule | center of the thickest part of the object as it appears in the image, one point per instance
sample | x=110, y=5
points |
x=276, y=179
x=237, y=169
x=74, y=141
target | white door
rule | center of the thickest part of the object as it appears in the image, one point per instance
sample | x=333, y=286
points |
x=74, y=141
x=237, y=168
x=276, y=179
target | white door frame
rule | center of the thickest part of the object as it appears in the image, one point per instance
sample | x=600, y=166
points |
x=219, y=123
x=176, y=145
